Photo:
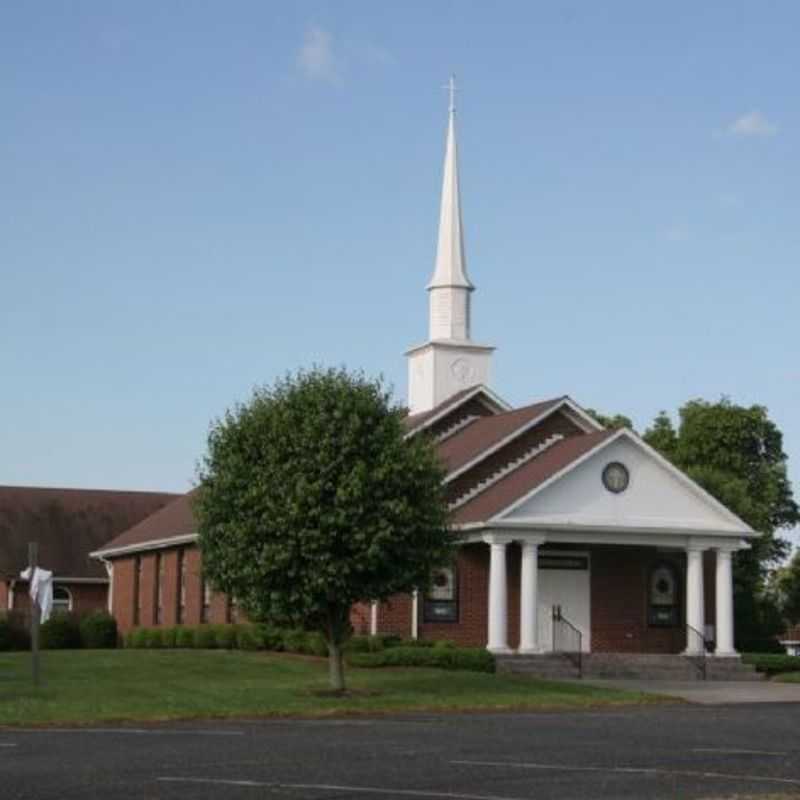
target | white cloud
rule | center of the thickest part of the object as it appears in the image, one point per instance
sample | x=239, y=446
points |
x=754, y=123
x=316, y=58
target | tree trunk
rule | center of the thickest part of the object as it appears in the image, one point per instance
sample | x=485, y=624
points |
x=336, y=670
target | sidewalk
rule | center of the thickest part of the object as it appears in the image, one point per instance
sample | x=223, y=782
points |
x=711, y=692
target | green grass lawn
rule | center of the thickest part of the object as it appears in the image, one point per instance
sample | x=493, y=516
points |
x=88, y=686
x=787, y=677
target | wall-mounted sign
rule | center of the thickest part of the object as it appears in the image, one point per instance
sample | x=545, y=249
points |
x=563, y=562
x=441, y=601
x=664, y=608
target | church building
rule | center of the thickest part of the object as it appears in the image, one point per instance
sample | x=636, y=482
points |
x=574, y=538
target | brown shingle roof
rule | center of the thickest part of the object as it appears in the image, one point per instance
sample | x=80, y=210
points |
x=414, y=421
x=480, y=435
x=527, y=477
x=175, y=519
x=67, y=524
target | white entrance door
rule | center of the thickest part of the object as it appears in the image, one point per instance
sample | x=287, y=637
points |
x=568, y=588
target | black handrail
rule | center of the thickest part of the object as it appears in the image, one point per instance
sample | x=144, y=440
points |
x=698, y=659
x=564, y=629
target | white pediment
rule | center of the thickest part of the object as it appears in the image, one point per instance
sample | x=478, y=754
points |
x=658, y=496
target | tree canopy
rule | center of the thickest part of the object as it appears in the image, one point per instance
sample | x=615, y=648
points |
x=311, y=499
x=736, y=454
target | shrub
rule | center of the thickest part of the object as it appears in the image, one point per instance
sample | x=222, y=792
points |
x=270, y=637
x=139, y=637
x=154, y=638
x=169, y=637
x=247, y=637
x=467, y=658
x=294, y=640
x=205, y=637
x=184, y=636
x=315, y=645
x=225, y=636
x=98, y=630
x=417, y=643
x=772, y=663
x=60, y=632
x=444, y=644
x=13, y=633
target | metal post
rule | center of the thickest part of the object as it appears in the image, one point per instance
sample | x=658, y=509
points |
x=33, y=562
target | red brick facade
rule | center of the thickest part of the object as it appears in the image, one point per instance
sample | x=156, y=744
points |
x=86, y=597
x=619, y=580
x=179, y=604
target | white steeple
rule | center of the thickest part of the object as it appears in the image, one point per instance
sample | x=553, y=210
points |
x=449, y=287
x=449, y=361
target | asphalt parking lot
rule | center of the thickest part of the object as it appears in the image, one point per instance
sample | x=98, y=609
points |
x=657, y=752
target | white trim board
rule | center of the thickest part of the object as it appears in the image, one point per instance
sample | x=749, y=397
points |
x=154, y=544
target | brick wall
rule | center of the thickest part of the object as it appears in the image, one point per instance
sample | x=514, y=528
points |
x=619, y=580
x=619, y=601
x=86, y=597
x=3, y=595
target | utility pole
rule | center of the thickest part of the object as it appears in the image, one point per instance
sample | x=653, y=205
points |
x=33, y=562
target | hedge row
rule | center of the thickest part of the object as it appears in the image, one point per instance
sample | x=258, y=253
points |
x=60, y=632
x=772, y=663
x=228, y=637
x=475, y=659
x=362, y=651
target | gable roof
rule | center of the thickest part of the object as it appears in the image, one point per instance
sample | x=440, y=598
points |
x=518, y=483
x=483, y=434
x=417, y=422
x=67, y=524
x=174, y=522
x=681, y=477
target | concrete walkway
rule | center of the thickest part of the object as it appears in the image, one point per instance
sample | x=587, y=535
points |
x=711, y=693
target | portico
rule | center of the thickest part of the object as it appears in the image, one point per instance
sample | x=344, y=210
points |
x=694, y=631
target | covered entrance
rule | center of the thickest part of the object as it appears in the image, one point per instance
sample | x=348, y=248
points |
x=564, y=601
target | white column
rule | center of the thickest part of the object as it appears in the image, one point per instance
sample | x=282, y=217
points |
x=724, y=597
x=529, y=597
x=373, y=619
x=498, y=594
x=11, y=586
x=695, y=607
x=415, y=614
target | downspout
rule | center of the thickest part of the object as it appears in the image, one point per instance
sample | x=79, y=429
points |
x=109, y=565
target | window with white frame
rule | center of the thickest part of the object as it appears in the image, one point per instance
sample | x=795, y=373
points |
x=62, y=600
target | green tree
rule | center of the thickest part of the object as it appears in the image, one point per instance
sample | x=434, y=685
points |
x=607, y=421
x=736, y=454
x=784, y=587
x=311, y=499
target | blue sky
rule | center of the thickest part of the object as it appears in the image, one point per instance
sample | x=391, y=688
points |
x=197, y=197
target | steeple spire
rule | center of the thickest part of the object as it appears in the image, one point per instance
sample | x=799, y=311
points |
x=451, y=265
x=449, y=361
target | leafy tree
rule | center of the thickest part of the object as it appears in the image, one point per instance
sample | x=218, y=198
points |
x=607, y=421
x=784, y=587
x=736, y=454
x=311, y=499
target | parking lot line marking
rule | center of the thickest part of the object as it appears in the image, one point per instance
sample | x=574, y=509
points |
x=7, y=744
x=634, y=771
x=734, y=751
x=329, y=787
